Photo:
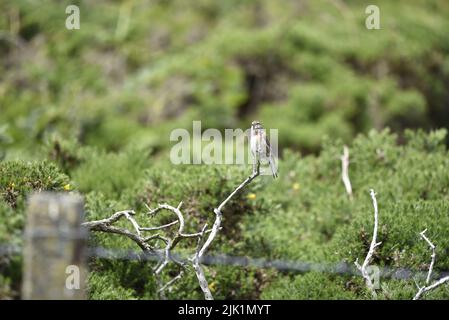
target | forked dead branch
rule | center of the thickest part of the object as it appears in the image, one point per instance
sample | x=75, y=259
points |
x=149, y=244
x=428, y=287
x=374, y=244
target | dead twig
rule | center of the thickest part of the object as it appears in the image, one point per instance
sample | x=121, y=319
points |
x=374, y=244
x=165, y=253
x=345, y=171
x=436, y=284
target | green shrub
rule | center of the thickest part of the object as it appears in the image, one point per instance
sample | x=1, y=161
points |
x=304, y=216
x=310, y=286
x=411, y=183
x=110, y=84
x=94, y=109
x=201, y=188
x=17, y=180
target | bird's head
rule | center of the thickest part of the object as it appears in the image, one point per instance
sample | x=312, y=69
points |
x=256, y=125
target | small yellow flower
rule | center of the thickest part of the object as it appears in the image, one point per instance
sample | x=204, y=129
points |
x=13, y=185
x=295, y=186
x=212, y=286
x=251, y=196
x=67, y=187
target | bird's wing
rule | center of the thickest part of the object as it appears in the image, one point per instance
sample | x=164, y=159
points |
x=267, y=146
x=269, y=155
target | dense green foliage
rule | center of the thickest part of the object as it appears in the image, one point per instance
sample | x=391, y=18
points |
x=17, y=180
x=305, y=216
x=307, y=68
x=90, y=111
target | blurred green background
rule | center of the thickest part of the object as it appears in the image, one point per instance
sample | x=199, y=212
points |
x=91, y=111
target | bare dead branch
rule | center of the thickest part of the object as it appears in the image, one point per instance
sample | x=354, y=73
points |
x=105, y=225
x=215, y=228
x=159, y=227
x=432, y=263
x=218, y=213
x=374, y=244
x=108, y=221
x=133, y=222
x=157, y=237
x=345, y=171
x=436, y=284
x=204, y=285
x=172, y=281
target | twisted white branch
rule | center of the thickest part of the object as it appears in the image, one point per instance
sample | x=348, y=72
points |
x=105, y=225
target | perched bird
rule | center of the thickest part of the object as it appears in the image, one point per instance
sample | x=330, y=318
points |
x=260, y=147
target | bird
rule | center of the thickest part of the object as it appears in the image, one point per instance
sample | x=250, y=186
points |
x=260, y=147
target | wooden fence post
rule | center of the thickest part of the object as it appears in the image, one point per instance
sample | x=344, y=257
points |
x=55, y=247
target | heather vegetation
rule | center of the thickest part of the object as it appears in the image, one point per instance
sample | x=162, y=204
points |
x=90, y=111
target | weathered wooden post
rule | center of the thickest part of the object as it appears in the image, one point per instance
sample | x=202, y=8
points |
x=55, y=247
